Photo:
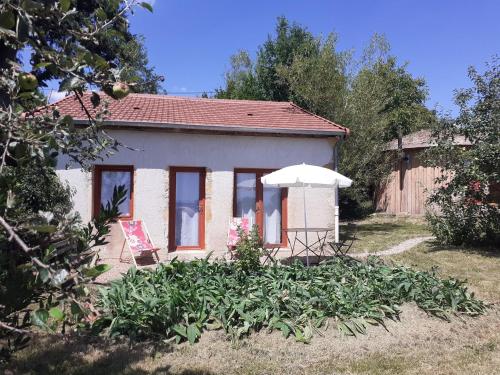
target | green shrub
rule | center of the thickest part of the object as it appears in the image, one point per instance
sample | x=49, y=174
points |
x=460, y=222
x=249, y=250
x=179, y=300
x=466, y=209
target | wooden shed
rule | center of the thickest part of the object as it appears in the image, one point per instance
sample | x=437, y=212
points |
x=409, y=183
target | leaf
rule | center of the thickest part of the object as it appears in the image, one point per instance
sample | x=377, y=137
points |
x=42, y=65
x=7, y=20
x=40, y=317
x=44, y=275
x=101, y=14
x=147, y=6
x=180, y=329
x=65, y=5
x=192, y=333
x=97, y=270
x=76, y=309
x=56, y=313
x=45, y=228
x=95, y=99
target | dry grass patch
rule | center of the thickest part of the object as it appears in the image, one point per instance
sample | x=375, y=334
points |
x=418, y=344
x=480, y=267
x=379, y=233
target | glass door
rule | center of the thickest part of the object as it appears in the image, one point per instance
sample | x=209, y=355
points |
x=187, y=207
x=263, y=206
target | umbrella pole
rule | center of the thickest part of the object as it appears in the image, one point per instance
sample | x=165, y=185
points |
x=305, y=223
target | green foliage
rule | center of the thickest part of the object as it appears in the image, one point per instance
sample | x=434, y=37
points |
x=180, y=300
x=374, y=96
x=249, y=250
x=464, y=210
x=241, y=80
x=135, y=65
x=45, y=252
x=261, y=80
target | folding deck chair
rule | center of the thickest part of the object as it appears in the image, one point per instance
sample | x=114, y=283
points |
x=138, y=240
x=233, y=236
x=347, y=239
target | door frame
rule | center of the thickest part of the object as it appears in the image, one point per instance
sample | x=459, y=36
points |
x=172, y=194
x=259, y=202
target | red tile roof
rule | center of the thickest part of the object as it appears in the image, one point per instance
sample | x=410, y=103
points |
x=234, y=115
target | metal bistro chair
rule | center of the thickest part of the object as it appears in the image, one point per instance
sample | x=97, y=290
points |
x=346, y=240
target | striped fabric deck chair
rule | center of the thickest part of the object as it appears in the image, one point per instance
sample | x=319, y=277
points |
x=138, y=240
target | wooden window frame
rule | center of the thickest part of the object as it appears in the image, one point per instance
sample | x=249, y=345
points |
x=259, y=197
x=97, y=186
x=171, y=208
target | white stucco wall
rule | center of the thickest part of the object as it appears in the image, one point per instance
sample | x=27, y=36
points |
x=220, y=155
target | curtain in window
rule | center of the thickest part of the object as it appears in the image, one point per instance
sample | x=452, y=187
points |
x=187, y=208
x=246, y=196
x=272, y=215
x=112, y=179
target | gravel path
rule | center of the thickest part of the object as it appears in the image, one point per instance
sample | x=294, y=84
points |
x=399, y=248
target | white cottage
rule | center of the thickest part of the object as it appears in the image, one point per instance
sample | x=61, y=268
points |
x=192, y=164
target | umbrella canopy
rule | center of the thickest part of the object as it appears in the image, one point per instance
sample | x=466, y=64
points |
x=304, y=175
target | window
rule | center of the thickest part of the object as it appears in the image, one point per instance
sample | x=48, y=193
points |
x=264, y=206
x=106, y=178
x=186, y=208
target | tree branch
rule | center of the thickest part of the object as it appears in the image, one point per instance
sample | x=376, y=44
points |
x=12, y=329
x=13, y=236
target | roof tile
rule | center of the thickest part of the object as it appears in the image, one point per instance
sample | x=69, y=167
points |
x=146, y=109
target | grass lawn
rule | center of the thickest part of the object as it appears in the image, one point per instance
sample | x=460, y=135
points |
x=418, y=344
x=379, y=233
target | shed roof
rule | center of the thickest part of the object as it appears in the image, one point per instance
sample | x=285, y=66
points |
x=422, y=139
x=164, y=111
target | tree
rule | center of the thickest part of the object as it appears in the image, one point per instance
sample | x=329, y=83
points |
x=319, y=82
x=464, y=209
x=68, y=41
x=385, y=102
x=261, y=80
x=241, y=80
x=375, y=97
x=132, y=56
x=290, y=42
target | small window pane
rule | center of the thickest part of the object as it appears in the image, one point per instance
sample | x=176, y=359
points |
x=112, y=179
x=246, y=196
x=272, y=215
x=187, y=209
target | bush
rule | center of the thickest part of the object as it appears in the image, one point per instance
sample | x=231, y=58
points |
x=249, y=250
x=460, y=222
x=179, y=300
x=466, y=209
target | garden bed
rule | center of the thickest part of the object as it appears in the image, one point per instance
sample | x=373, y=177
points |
x=180, y=300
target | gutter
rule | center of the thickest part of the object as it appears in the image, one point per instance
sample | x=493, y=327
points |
x=217, y=128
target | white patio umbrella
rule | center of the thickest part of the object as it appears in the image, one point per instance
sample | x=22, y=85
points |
x=304, y=175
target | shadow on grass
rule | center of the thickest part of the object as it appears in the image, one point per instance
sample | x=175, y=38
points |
x=87, y=355
x=491, y=252
x=376, y=227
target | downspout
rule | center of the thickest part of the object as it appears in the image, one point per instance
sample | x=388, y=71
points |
x=335, y=168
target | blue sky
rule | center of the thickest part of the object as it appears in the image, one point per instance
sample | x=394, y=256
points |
x=190, y=41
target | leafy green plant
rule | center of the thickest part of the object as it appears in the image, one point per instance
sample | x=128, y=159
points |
x=249, y=250
x=464, y=208
x=180, y=300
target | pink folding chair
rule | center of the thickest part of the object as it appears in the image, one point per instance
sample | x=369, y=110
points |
x=233, y=237
x=138, y=240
